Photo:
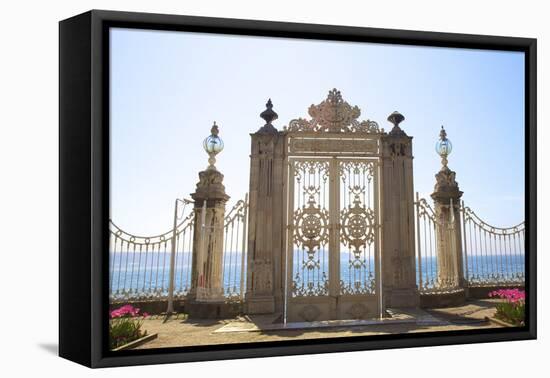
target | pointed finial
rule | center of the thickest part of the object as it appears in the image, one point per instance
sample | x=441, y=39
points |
x=443, y=133
x=269, y=116
x=396, y=118
x=214, y=130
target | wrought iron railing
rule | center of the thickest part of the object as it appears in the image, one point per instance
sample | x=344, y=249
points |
x=492, y=255
x=139, y=266
x=428, y=275
x=234, y=251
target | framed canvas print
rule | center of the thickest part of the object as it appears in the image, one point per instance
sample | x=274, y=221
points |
x=235, y=188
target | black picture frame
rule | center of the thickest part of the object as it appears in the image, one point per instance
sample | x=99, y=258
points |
x=84, y=186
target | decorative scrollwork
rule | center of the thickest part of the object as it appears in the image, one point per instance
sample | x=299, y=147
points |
x=359, y=287
x=311, y=220
x=357, y=168
x=424, y=210
x=357, y=220
x=300, y=288
x=311, y=231
x=358, y=227
x=117, y=232
x=334, y=115
x=470, y=215
x=237, y=213
x=311, y=167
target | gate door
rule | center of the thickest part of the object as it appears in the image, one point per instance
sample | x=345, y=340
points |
x=333, y=232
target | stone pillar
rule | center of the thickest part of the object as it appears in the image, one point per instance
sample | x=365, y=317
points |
x=264, y=285
x=397, y=206
x=446, y=198
x=206, y=296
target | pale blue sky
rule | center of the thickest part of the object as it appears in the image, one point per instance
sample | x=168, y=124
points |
x=168, y=87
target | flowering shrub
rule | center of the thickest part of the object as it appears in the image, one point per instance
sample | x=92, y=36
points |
x=125, y=325
x=512, y=310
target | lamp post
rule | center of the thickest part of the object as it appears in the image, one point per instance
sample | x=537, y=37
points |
x=206, y=296
x=446, y=198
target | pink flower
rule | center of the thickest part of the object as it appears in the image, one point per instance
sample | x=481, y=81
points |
x=511, y=295
x=124, y=311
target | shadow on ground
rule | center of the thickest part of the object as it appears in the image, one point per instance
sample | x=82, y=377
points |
x=51, y=348
x=472, y=313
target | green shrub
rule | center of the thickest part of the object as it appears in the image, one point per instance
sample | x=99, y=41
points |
x=125, y=325
x=512, y=310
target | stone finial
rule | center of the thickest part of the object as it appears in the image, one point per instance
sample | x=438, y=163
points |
x=269, y=116
x=396, y=118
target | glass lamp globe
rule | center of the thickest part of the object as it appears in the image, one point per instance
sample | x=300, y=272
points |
x=213, y=144
x=443, y=147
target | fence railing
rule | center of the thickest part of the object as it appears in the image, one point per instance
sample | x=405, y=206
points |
x=139, y=266
x=234, y=250
x=429, y=262
x=491, y=256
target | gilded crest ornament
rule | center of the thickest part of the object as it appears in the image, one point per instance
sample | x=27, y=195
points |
x=334, y=115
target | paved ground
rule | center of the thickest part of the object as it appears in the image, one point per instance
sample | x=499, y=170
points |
x=184, y=332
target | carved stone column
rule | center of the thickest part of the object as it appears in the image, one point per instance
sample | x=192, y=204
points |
x=206, y=296
x=446, y=198
x=397, y=203
x=264, y=286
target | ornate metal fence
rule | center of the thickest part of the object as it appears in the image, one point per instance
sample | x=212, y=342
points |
x=429, y=263
x=139, y=266
x=234, y=250
x=492, y=255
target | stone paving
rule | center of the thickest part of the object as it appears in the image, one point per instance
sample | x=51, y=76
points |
x=186, y=332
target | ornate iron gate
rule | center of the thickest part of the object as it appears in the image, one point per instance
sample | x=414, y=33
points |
x=333, y=227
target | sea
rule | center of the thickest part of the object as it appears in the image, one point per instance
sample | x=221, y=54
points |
x=147, y=275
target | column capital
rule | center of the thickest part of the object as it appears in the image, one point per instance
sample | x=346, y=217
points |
x=210, y=187
x=446, y=186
